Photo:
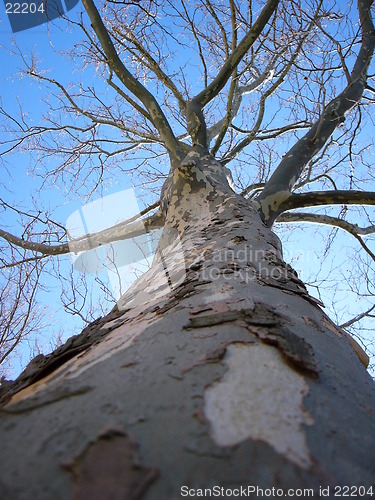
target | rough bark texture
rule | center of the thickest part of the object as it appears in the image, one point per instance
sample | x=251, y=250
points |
x=234, y=378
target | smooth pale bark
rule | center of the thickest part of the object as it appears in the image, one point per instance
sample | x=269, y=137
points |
x=234, y=378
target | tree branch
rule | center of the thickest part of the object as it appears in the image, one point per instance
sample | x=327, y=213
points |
x=352, y=229
x=293, y=163
x=232, y=89
x=358, y=318
x=154, y=66
x=159, y=120
x=235, y=103
x=18, y=313
x=252, y=134
x=196, y=37
x=220, y=26
x=219, y=82
x=334, y=197
x=124, y=230
x=127, y=98
x=94, y=118
x=252, y=187
x=325, y=219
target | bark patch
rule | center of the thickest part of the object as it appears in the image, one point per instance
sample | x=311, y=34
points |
x=43, y=366
x=20, y=403
x=294, y=348
x=260, y=398
x=110, y=467
x=340, y=332
x=263, y=322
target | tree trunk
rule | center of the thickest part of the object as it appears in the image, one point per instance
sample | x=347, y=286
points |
x=217, y=369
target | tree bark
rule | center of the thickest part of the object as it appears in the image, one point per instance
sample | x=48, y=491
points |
x=216, y=368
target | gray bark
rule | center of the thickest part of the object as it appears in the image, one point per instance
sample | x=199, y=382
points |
x=234, y=377
x=279, y=185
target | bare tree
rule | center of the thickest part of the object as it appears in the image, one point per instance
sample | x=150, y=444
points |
x=220, y=330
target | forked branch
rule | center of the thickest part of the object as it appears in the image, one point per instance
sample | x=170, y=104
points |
x=219, y=82
x=158, y=118
x=291, y=167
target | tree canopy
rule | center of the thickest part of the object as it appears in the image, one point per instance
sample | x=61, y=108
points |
x=279, y=92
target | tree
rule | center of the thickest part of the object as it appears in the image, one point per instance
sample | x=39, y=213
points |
x=217, y=367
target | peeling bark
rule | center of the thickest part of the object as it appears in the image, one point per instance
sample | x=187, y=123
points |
x=110, y=467
x=268, y=409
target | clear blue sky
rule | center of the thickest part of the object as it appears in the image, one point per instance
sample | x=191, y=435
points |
x=18, y=187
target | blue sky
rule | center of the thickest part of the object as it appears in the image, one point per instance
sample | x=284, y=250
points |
x=19, y=186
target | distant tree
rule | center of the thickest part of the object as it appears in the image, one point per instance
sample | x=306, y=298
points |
x=217, y=367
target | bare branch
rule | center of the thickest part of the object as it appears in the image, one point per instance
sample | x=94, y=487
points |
x=252, y=187
x=197, y=39
x=334, y=197
x=124, y=230
x=219, y=82
x=220, y=26
x=34, y=246
x=236, y=100
x=158, y=118
x=94, y=118
x=128, y=98
x=293, y=163
x=325, y=219
x=352, y=229
x=18, y=314
x=154, y=66
x=359, y=317
x=252, y=133
x=232, y=88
